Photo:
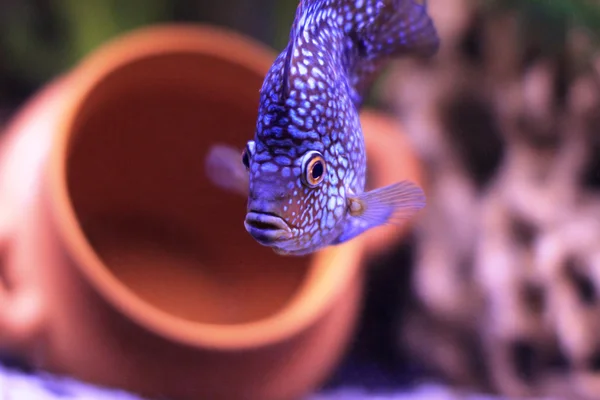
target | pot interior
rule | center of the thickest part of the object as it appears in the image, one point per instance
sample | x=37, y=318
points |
x=140, y=191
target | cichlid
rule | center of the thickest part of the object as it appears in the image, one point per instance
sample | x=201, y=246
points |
x=304, y=171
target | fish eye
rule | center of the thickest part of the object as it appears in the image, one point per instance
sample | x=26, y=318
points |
x=313, y=168
x=247, y=153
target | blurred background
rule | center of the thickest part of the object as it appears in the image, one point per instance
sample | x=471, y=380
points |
x=41, y=39
x=506, y=120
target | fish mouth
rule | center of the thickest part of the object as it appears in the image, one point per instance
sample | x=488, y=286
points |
x=267, y=227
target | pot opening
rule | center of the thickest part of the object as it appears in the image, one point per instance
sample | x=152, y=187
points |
x=136, y=179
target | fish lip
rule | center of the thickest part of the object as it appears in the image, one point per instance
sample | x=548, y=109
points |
x=267, y=228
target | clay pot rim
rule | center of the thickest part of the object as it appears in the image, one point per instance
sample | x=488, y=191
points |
x=324, y=282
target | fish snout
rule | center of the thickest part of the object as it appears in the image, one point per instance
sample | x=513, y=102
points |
x=267, y=227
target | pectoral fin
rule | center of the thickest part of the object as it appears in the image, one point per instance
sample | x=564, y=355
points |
x=224, y=168
x=388, y=205
x=391, y=204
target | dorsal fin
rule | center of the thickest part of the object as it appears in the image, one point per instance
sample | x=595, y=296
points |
x=286, y=68
x=398, y=28
x=297, y=25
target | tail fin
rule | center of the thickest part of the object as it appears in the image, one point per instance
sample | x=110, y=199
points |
x=397, y=28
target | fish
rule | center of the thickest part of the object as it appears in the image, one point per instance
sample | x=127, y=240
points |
x=304, y=171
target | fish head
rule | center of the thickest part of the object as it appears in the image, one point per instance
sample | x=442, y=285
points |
x=296, y=199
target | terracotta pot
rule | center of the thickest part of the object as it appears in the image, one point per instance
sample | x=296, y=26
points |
x=390, y=159
x=122, y=264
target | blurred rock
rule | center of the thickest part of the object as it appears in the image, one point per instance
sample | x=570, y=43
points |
x=508, y=249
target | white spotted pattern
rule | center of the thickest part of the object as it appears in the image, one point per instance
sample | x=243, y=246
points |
x=310, y=100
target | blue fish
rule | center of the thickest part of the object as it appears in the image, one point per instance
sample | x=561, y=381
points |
x=304, y=171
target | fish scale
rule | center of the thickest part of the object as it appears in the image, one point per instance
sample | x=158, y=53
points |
x=308, y=116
